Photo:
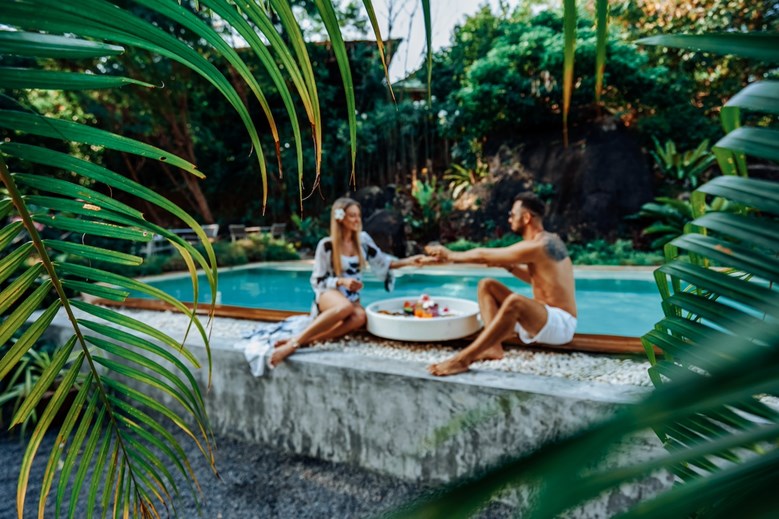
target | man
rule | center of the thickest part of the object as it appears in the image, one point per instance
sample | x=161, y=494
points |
x=540, y=259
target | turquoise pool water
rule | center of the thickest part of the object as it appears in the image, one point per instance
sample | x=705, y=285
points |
x=613, y=306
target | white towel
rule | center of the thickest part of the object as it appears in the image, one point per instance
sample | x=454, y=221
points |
x=257, y=346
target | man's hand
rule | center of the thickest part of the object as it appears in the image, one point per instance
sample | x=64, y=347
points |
x=439, y=252
x=352, y=285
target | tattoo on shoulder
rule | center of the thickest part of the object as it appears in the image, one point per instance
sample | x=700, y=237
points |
x=556, y=248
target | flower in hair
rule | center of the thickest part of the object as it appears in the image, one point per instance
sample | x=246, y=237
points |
x=339, y=214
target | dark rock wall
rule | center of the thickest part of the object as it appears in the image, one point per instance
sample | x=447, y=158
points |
x=602, y=177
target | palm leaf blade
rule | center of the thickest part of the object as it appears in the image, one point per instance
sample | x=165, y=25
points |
x=14, y=77
x=39, y=45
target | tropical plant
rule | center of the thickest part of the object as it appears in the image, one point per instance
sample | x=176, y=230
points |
x=714, y=405
x=668, y=216
x=684, y=168
x=19, y=384
x=111, y=428
x=461, y=178
x=309, y=230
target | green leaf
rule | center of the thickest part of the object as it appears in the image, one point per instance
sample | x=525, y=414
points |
x=426, y=14
x=128, y=322
x=14, y=77
x=97, y=479
x=109, y=293
x=757, y=142
x=569, y=48
x=156, y=407
x=229, y=14
x=87, y=455
x=28, y=338
x=85, y=420
x=330, y=20
x=297, y=42
x=602, y=37
x=47, y=157
x=38, y=45
x=19, y=316
x=53, y=407
x=5, y=208
x=761, y=46
x=72, y=131
x=96, y=275
x=761, y=96
x=95, y=253
x=380, y=41
x=18, y=287
x=46, y=379
x=10, y=263
x=98, y=201
x=760, y=194
x=94, y=228
x=184, y=18
x=8, y=233
x=153, y=374
x=731, y=255
x=760, y=232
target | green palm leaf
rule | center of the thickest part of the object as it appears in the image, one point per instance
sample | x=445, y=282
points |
x=14, y=77
x=762, y=96
x=602, y=35
x=330, y=20
x=296, y=41
x=38, y=45
x=762, y=46
x=569, y=48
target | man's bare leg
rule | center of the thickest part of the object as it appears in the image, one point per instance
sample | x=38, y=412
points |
x=491, y=295
x=515, y=308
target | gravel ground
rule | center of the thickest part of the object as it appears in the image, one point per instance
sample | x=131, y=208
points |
x=610, y=369
x=256, y=482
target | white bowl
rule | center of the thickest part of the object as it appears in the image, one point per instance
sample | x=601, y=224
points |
x=465, y=322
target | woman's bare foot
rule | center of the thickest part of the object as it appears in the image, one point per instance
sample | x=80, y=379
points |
x=282, y=342
x=282, y=350
x=452, y=366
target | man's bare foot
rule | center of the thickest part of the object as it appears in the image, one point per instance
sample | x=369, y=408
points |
x=452, y=366
x=494, y=353
x=282, y=351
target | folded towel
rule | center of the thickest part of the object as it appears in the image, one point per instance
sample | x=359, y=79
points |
x=257, y=346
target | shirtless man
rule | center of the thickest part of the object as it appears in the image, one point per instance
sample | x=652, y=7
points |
x=541, y=260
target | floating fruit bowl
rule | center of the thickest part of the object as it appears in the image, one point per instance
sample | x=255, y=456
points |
x=386, y=319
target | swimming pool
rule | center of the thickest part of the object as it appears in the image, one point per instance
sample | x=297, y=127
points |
x=611, y=303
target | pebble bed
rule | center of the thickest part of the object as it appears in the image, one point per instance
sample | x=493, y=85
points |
x=609, y=369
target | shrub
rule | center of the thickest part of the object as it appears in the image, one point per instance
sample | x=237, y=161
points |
x=621, y=252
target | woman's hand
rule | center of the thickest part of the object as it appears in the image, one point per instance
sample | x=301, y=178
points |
x=350, y=284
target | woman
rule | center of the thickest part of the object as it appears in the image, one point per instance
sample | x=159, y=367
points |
x=337, y=278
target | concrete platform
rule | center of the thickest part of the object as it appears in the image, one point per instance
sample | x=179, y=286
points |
x=393, y=417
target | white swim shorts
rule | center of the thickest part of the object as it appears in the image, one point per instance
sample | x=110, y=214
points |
x=558, y=329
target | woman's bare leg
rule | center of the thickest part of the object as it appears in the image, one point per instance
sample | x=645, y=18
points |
x=335, y=310
x=354, y=321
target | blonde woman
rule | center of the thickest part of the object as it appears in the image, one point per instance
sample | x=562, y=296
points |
x=337, y=278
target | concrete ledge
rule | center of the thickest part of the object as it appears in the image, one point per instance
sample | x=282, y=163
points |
x=392, y=417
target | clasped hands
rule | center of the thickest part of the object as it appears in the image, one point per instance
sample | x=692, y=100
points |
x=434, y=254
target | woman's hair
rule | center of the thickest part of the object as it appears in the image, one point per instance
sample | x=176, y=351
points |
x=335, y=234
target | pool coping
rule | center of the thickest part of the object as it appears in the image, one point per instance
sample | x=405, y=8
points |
x=639, y=273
